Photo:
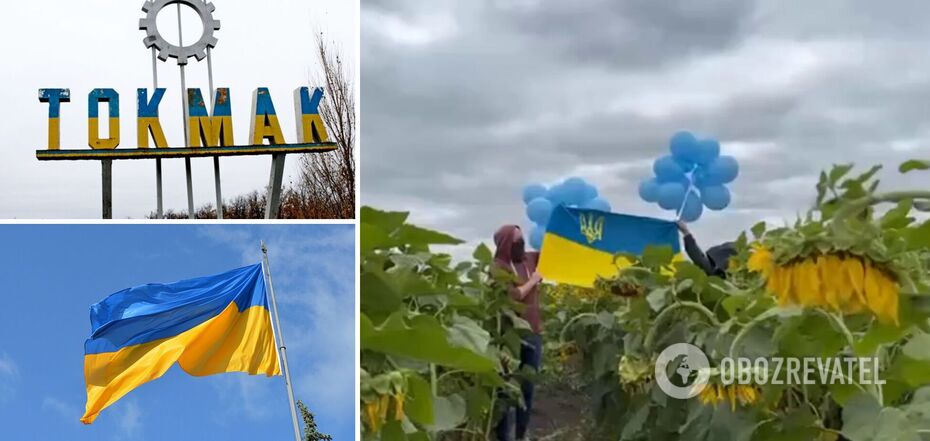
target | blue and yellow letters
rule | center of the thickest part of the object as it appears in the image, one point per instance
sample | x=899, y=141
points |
x=147, y=121
x=95, y=97
x=264, y=119
x=310, y=127
x=54, y=98
x=211, y=131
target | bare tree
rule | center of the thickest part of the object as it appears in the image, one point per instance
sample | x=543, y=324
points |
x=325, y=186
x=330, y=177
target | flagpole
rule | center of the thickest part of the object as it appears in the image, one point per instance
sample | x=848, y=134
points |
x=276, y=327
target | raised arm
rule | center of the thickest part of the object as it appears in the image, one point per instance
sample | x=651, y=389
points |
x=694, y=251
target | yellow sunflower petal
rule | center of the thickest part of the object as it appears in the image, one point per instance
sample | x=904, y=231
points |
x=855, y=274
x=873, y=290
x=399, y=406
x=371, y=410
x=384, y=402
x=891, y=298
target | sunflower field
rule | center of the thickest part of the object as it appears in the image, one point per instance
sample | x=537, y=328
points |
x=848, y=279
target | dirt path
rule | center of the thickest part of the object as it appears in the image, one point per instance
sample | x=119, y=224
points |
x=560, y=413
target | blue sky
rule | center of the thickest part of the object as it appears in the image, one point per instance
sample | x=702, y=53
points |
x=53, y=273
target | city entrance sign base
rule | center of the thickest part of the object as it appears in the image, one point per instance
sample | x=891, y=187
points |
x=278, y=152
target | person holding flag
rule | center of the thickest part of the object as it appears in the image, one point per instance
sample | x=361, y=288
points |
x=511, y=257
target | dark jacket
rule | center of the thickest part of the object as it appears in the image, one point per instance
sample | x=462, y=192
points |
x=717, y=259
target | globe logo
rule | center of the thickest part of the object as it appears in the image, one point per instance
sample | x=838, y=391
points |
x=693, y=370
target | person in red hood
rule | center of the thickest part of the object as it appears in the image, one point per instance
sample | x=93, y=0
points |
x=510, y=255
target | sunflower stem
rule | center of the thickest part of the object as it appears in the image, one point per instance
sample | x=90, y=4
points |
x=650, y=336
x=752, y=323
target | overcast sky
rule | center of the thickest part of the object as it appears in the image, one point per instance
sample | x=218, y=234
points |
x=96, y=43
x=465, y=102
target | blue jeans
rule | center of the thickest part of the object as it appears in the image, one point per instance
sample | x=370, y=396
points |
x=530, y=355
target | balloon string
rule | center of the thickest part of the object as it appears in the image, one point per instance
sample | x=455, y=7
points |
x=687, y=192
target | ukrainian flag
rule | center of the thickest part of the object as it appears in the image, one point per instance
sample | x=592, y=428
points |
x=580, y=244
x=207, y=325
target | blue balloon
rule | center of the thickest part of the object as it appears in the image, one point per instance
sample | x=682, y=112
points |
x=575, y=189
x=715, y=197
x=557, y=195
x=722, y=170
x=671, y=194
x=686, y=166
x=649, y=190
x=597, y=204
x=706, y=151
x=692, y=209
x=699, y=177
x=667, y=170
x=539, y=210
x=682, y=146
x=536, y=237
x=533, y=191
x=590, y=192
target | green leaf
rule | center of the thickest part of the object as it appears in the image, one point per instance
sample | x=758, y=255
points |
x=465, y=332
x=450, y=412
x=378, y=298
x=918, y=237
x=868, y=174
x=897, y=216
x=914, y=164
x=634, y=426
x=658, y=298
x=606, y=320
x=657, y=256
x=423, y=338
x=866, y=420
x=838, y=172
x=419, y=403
x=478, y=402
x=372, y=237
x=392, y=431
x=413, y=235
x=388, y=221
x=878, y=334
x=918, y=348
x=758, y=229
x=483, y=254
x=859, y=415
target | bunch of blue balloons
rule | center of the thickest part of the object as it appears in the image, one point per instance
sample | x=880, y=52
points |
x=691, y=178
x=541, y=200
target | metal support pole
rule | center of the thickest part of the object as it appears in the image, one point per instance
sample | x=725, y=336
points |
x=276, y=327
x=216, y=159
x=159, y=207
x=107, y=179
x=187, y=161
x=274, y=186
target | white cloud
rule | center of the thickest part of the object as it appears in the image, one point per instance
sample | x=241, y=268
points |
x=67, y=411
x=129, y=420
x=245, y=395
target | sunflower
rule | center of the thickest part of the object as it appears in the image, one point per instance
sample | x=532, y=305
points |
x=743, y=394
x=566, y=352
x=376, y=410
x=837, y=281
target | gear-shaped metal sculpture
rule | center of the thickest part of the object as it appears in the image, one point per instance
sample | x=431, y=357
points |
x=181, y=53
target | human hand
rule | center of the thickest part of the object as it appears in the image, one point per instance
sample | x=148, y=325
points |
x=683, y=227
x=536, y=278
